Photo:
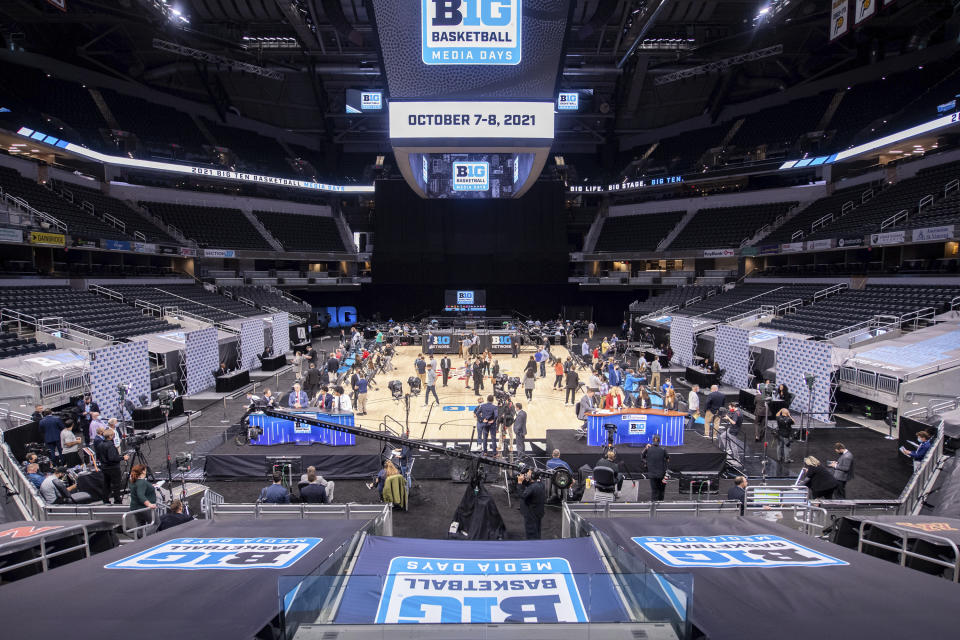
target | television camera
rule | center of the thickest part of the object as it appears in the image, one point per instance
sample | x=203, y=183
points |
x=414, y=383
x=137, y=440
x=396, y=389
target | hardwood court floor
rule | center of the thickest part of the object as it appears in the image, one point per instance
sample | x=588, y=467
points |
x=453, y=419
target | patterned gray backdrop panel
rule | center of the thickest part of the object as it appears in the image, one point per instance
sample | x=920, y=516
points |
x=733, y=353
x=251, y=343
x=127, y=363
x=281, y=333
x=203, y=357
x=681, y=339
x=796, y=357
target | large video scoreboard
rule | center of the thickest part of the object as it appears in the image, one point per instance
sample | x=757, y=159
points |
x=472, y=89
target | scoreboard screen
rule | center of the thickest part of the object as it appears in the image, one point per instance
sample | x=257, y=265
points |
x=464, y=300
x=470, y=175
x=359, y=101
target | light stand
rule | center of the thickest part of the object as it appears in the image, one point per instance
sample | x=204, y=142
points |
x=166, y=439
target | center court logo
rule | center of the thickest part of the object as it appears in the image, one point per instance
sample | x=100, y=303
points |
x=471, y=176
x=472, y=31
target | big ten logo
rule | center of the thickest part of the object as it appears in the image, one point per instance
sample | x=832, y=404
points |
x=471, y=31
x=440, y=340
x=471, y=176
x=459, y=407
x=501, y=341
x=371, y=100
x=342, y=316
x=220, y=553
x=638, y=427
x=435, y=590
x=757, y=551
x=568, y=101
x=464, y=297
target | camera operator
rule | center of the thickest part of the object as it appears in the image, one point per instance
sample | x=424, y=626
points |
x=110, y=459
x=532, y=499
x=734, y=422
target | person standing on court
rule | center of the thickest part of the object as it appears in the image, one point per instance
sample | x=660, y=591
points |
x=362, y=387
x=431, y=386
x=590, y=329
x=486, y=415
x=445, y=368
x=657, y=459
x=532, y=499
x=477, y=377
x=520, y=429
x=558, y=372
x=655, y=373
x=421, y=366
x=573, y=382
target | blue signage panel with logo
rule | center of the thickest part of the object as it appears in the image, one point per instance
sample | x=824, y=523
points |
x=471, y=176
x=472, y=31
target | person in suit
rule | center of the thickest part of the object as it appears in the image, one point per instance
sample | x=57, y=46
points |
x=520, y=429
x=486, y=415
x=531, y=503
x=711, y=418
x=50, y=428
x=311, y=381
x=586, y=405
x=657, y=459
x=738, y=491
x=221, y=370
x=477, y=377
x=445, y=366
x=842, y=470
x=85, y=406
x=297, y=399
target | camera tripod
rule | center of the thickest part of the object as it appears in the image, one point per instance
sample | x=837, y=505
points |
x=138, y=458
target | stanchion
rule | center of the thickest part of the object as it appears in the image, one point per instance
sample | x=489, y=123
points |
x=225, y=420
x=190, y=439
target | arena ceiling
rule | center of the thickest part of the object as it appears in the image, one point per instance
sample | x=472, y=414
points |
x=288, y=62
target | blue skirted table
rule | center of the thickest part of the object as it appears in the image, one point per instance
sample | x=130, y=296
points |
x=636, y=427
x=281, y=431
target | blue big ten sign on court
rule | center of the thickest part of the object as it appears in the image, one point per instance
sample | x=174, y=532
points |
x=450, y=590
x=472, y=31
x=722, y=552
x=471, y=176
x=220, y=553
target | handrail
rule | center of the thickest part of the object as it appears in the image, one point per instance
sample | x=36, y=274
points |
x=924, y=201
x=203, y=304
x=762, y=310
x=847, y=206
x=866, y=195
x=829, y=291
x=790, y=305
x=903, y=214
x=60, y=325
x=759, y=295
x=149, y=306
x=911, y=497
x=796, y=235
x=953, y=185
x=25, y=206
x=907, y=535
x=139, y=235
x=110, y=293
x=115, y=221
x=822, y=221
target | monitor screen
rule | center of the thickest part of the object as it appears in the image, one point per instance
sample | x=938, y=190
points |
x=359, y=101
x=465, y=300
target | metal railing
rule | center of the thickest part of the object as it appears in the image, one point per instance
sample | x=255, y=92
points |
x=908, y=538
x=103, y=291
x=925, y=201
x=899, y=216
x=382, y=513
x=821, y=222
x=911, y=498
x=762, y=310
x=951, y=186
x=72, y=331
x=829, y=291
x=788, y=306
x=113, y=220
x=24, y=206
x=874, y=324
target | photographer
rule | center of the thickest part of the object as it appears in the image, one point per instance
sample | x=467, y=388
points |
x=733, y=420
x=110, y=459
x=532, y=499
x=784, y=435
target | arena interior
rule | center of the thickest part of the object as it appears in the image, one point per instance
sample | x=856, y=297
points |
x=369, y=318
